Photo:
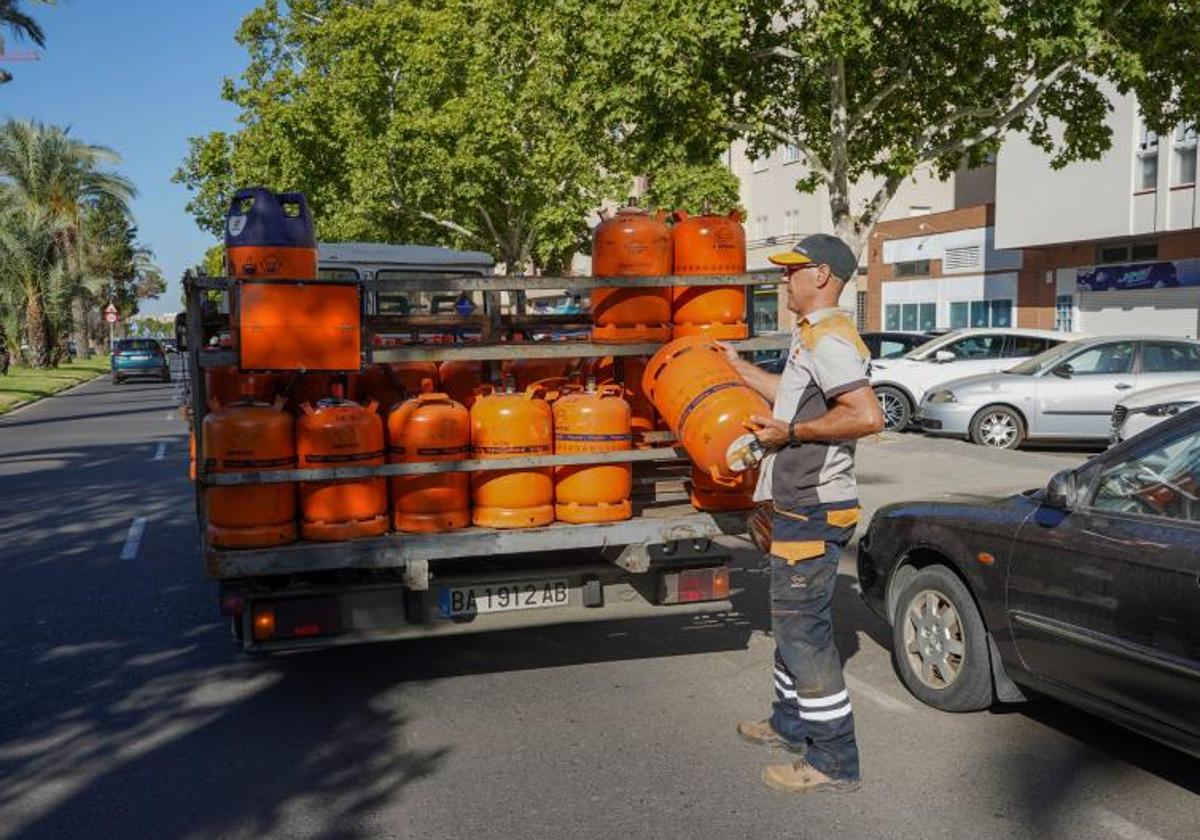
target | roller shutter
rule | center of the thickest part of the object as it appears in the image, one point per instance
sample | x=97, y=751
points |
x=1169, y=312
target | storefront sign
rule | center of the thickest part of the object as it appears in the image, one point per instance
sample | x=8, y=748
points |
x=1122, y=278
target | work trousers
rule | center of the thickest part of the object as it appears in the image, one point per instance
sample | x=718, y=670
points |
x=812, y=706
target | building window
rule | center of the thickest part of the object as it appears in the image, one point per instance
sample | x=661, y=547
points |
x=860, y=311
x=981, y=313
x=910, y=317
x=912, y=268
x=758, y=164
x=1127, y=252
x=766, y=309
x=1064, y=312
x=960, y=315
x=791, y=154
x=1143, y=251
x=1185, y=155
x=919, y=210
x=759, y=230
x=1147, y=177
x=791, y=221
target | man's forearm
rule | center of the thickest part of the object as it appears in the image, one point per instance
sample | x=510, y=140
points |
x=841, y=422
x=765, y=383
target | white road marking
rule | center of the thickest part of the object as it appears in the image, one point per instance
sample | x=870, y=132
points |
x=1120, y=826
x=170, y=415
x=876, y=696
x=158, y=453
x=133, y=539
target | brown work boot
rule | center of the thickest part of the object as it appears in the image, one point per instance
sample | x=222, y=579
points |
x=762, y=733
x=802, y=777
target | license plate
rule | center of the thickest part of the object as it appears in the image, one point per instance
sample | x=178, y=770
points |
x=483, y=598
x=138, y=357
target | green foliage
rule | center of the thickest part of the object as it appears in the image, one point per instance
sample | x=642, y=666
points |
x=486, y=125
x=694, y=188
x=871, y=89
x=67, y=239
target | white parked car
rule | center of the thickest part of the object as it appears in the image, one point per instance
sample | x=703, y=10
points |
x=1143, y=409
x=900, y=384
x=1068, y=393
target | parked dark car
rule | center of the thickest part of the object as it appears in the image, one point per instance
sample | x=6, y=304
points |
x=1088, y=590
x=883, y=345
x=139, y=357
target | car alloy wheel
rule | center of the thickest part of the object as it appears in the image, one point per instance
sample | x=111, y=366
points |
x=896, y=413
x=939, y=642
x=933, y=639
x=999, y=427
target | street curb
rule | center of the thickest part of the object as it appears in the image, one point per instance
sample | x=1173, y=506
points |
x=21, y=406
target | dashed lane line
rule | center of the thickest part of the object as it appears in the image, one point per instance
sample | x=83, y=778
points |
x=1120, y=826
x=133, y=540
x=158, y=453
x=876, y=696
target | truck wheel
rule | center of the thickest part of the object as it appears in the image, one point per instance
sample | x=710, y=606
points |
x=999, y=427
x=897, y=410
x=939, y=643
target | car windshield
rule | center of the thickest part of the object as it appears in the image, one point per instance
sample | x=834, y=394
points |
x=928, y=346
x=138, y=345
x=1045, y=360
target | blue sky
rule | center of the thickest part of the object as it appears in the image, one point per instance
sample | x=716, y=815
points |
x=139, y=76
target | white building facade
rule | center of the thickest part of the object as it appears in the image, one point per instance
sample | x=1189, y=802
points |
x=1116, y=242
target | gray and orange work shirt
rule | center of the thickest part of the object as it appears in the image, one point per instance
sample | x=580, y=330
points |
x=812, y=485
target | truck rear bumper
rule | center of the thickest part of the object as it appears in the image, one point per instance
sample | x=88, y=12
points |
x=386, y=612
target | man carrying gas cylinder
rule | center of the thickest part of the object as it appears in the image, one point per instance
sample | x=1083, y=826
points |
x=822, y=403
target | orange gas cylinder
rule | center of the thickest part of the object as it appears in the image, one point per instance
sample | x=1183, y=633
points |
x=339, y=433
x=461, y=379
x=389, y=384
x=226, y=385
x=709, y=245
x=631, y=244
x=512, y=424
x=592, y=420
x=733, y=494
x=627, y=371
x=430, y=427
x=270, y=235
x=525, y=372
x=703, y=400
x=303, y=388
x=250, y=436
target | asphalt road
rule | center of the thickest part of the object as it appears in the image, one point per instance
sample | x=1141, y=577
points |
x=126, y=713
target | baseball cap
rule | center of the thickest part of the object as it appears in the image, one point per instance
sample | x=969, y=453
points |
x=821, y=248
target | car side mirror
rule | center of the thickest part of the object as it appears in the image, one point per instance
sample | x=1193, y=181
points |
x=1062, y=490
x=1064, y=371
x=944, y=356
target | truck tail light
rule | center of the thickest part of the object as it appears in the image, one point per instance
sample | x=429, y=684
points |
x=264, y=623
x=694, y=585
x=300, y=618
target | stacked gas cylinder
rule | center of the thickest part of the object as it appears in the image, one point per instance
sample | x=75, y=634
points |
x=697, y=393
x=418, y=412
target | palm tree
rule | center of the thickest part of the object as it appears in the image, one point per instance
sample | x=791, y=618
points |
x=30, y=271
x=21, y=25
x=43, y=168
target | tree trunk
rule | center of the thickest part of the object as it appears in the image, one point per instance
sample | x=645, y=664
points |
x=37, y=330
x=4, y=359
x=79, y=330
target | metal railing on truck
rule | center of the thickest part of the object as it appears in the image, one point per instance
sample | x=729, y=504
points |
x=662, y=513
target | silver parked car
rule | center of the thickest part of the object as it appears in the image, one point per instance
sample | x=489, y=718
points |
x=1067, y=393
x=1143, y=409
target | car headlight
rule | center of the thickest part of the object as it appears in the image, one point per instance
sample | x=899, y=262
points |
x=942, y=397
x=1163, y=409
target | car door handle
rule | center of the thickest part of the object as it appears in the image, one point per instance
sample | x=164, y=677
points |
x=1123, y=386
